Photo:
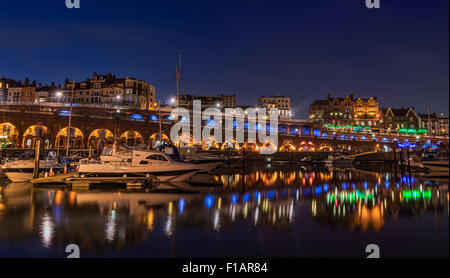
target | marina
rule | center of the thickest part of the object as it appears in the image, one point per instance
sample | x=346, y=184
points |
x=224, y=134
x=295, y=211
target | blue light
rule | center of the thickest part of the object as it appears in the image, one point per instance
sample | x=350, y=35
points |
x=64, y=113
x=209, y=201
x=344, y=185
x=353, y=185
x=398, y=185
x=246, y=197
x=316, y=132
x=395, y=139
x=353, y=137
x=270, y=194
x=404, y=180
x=306, y=130
x=154, y=118
x=386, y=184
x=343, y=137
x=257, y=195
x=181, y=205
x=365, y=185
x=324, y=135
x=137, y=117
x=318, y=190
x=384, y=139
x=325, y=187
x=234, y=198
x=363, y=138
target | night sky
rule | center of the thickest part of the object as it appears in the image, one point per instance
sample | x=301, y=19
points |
x=301, y=49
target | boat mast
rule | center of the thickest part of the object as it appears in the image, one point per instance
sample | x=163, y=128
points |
x=70, y=119
x=429, y=121
x=178, y=77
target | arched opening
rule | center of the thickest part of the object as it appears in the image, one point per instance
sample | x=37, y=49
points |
x=76, y=138
x=33, y=133
x=230, y=144
x=9, y=135
x=326, y=148
x=131, y=138
x=158, y=139
x=184, y=140
x=268, y=147
x=99, y=138
x=288, y=147
x=306, y=146
x=210, y=143
x=253, y=147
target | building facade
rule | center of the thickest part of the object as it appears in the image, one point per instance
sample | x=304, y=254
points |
x=443, y=125
x=5, y=84
x=208, y=101
x=107, y=90
x=282, y=103
x=437, y=126
x=346, y=111
x=400, y=119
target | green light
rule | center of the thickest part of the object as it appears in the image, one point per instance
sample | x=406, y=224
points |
x=406, y=194
x=403, y=130
x=339, y=126
x=348, y=126
x=412, y=130
x=367, y=127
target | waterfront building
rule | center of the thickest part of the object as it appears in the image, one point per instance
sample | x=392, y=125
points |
x=366, y=112
x=443, y=125
x=109, y=91
x=219, y=101
x=318, y=111
x=282, y=103
x=433, y=124
x=340, y=111
x=5, y=84
x=401, y=120
x=346, y=111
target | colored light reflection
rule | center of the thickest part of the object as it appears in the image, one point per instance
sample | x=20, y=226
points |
x=209, y=201
x=181, y=205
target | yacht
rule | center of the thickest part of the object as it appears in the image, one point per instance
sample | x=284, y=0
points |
x=137, y=163
x=21, y=169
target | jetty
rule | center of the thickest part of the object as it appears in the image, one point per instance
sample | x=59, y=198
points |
x=72, y=180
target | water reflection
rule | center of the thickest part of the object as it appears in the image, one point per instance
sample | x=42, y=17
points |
x=114, y=222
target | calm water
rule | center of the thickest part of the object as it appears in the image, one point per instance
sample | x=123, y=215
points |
x=287, y=212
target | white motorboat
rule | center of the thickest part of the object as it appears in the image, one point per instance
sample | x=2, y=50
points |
x=142, y=163
x=21, y=169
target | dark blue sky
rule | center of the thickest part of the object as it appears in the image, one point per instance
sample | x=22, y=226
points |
x=302, y=49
